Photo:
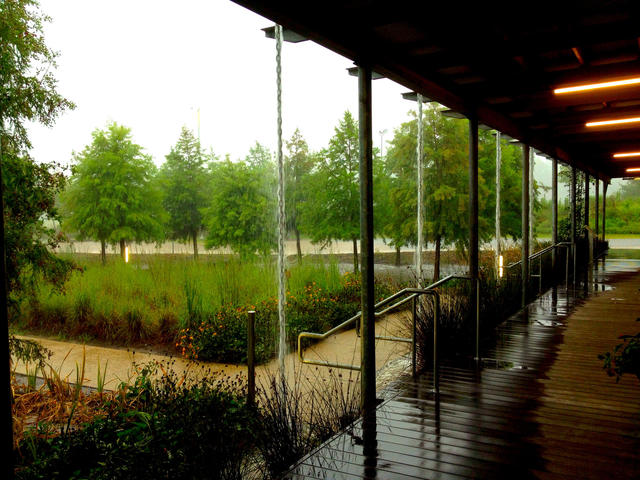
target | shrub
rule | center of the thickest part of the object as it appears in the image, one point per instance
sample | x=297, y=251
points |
x=170, y=428
x=297, y=415
x=625, y=357
x=222, y=336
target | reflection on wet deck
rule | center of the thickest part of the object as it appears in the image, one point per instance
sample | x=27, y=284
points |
x=540, y=406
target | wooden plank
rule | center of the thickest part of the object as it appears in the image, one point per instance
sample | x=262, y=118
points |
x=563, y=418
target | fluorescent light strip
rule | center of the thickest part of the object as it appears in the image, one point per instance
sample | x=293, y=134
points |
x=613, y=122
x=629, y=170
x=595, y=86
x=626, y=154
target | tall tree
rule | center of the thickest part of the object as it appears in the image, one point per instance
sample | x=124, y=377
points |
x=332, y=210
x=242, y=214
x=400, y=189
x=446, y=184
x=298, y=165
x=112, y=196
x=183, y=181
x=27, y=94
x=446, y=181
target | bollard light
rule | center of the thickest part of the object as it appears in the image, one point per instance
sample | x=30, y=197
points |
x=126, y=254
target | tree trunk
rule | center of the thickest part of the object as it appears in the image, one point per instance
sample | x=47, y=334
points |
x=123, y=245
x=194, y=235
x=355, y=256
x=298, y=244
x=398, y=256
x=103, y=252
x=436, y=261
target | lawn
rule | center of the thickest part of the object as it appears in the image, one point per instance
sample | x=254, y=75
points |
x=199, y=308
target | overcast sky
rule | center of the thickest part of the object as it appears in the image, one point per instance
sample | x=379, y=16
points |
x=151, y=64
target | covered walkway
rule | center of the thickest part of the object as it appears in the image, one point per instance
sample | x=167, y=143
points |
x=540, y=406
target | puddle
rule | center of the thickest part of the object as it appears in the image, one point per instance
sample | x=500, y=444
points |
x=549, y=323
x=493, y=364
x=391, y=372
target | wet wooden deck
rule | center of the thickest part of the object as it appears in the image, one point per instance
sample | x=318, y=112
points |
x=540, y=406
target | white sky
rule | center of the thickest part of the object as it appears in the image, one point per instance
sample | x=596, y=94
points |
x=151, y=64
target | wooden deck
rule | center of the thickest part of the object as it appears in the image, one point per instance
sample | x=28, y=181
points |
x=540, y=406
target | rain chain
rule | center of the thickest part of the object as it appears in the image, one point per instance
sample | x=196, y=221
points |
x=420, y=152
x=282, y=345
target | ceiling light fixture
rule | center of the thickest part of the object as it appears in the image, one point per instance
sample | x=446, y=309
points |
x=595, y=86
x=626, y=154
x=619, y=121
x=635, y=169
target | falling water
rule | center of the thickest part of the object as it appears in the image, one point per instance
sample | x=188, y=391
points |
x=282, y=344
x=420, y=153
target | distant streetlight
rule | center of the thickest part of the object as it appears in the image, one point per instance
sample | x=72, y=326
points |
x=382, y=134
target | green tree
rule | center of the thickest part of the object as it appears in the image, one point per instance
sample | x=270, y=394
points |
x=298, y=166
x=446, y=184
x=242, y=212
x=28, y=94
x=399, y=186
x=112, y=196
x=183, y=180
x=332, y=209
x=564, y=223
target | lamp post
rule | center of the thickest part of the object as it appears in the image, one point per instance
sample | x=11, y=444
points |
x=382, y=134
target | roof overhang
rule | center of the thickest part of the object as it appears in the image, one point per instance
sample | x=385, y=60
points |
x=498, y=63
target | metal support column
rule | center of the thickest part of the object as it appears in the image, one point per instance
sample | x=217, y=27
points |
x=473, y=218
x=597, y=211
x=586, y=199
x=554, y=212
x=532, y=195
x=498, y=212
x=368, y=352
x=574, y=174
x=525, y=223
x=605, y=184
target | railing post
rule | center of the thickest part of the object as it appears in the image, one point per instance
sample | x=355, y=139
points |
x=414, y=306
x=251, y=351
x=436, y=321
x=478, y=321
x=566, y=270
x=540, y=274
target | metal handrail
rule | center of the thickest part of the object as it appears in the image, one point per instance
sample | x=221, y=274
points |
x=539, y=254
x=410, y=294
